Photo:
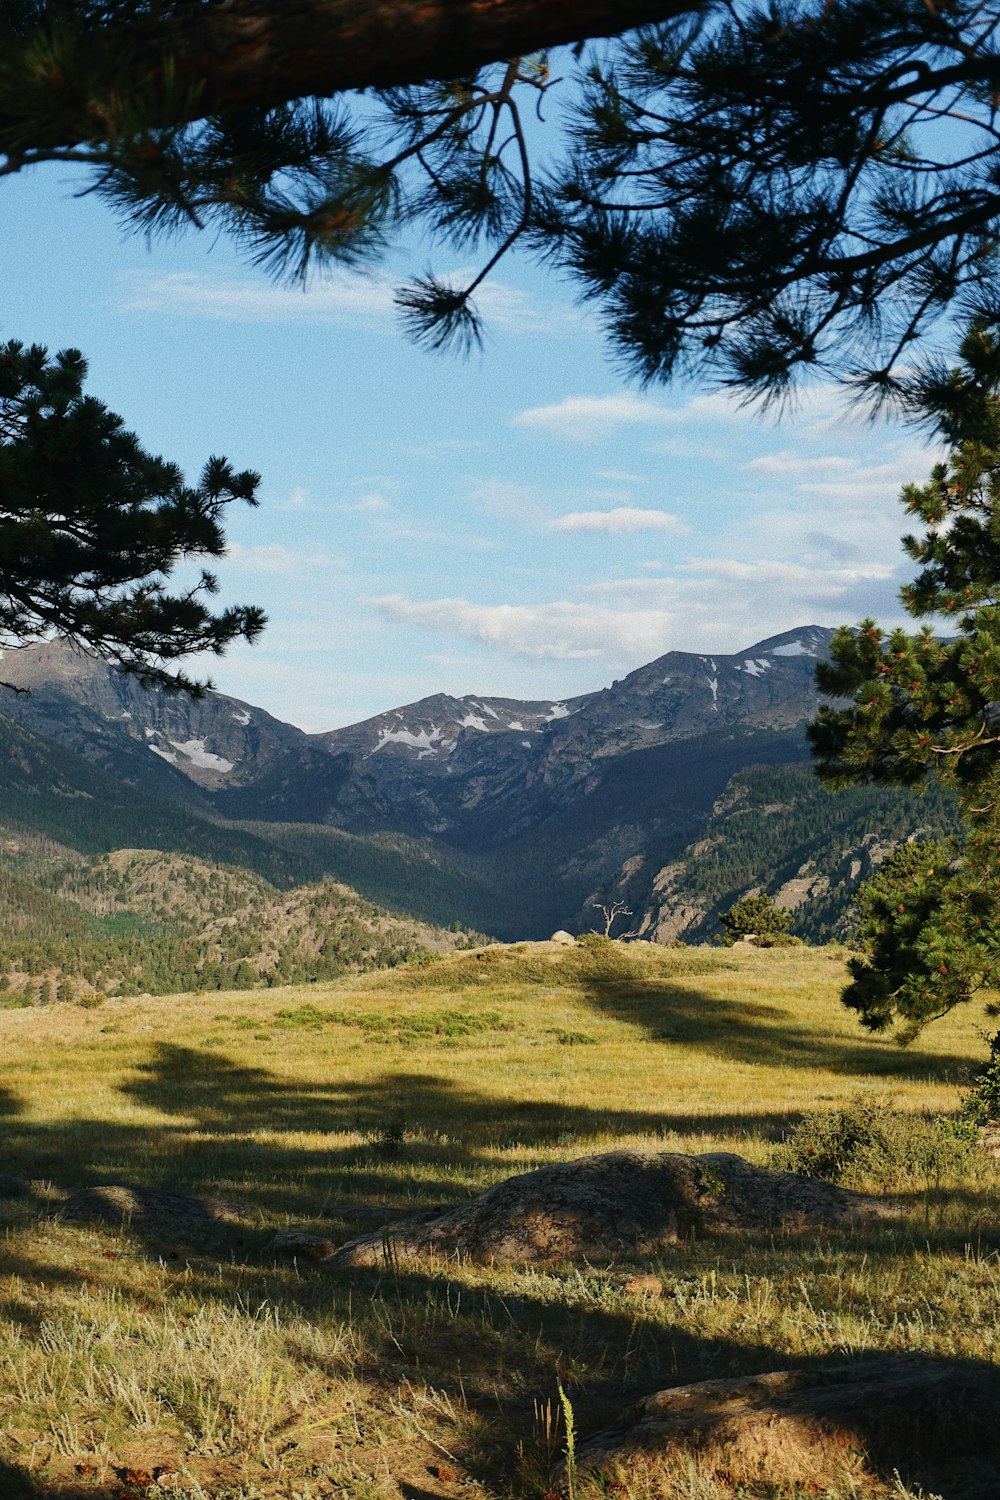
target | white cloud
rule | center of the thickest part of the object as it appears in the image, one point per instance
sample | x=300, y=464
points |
x=562, y=630
x=273, y=557
x=335, y=296
x=585, y=419
x=192, y=294
x=623, y=520
x=787, y=462
x=298, y=500
x=722, y=604
x=502, y=499
x=621, y=476
x=372, y=503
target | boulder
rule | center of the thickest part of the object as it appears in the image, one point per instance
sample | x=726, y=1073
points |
x=564, y=939
x=905, y=1413
x=302, y=1246
x=614, y=1206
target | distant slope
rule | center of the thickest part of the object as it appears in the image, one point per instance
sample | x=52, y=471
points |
x=139, y=919
x=775, y=829
x=54, y=800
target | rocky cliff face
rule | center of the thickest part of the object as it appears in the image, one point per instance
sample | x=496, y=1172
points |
x=141, y=733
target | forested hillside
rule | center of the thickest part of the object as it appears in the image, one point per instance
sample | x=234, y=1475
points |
x=776, y=829
x=140, y=920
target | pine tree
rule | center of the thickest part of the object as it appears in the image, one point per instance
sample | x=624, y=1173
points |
x=91, y=526
x=745, y=188
x=756, y=918
x=925, y=705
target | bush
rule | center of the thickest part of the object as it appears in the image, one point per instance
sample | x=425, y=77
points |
x=981, y=1105
x=868, y=1139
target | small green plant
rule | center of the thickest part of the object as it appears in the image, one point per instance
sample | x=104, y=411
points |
x=387, y=1138
x=570, y=1422
x=571, y=1038
x=91, y=1002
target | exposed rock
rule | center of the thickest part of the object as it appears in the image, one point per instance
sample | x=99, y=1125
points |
x=563, y=938
x=120, y=1203
x=988, y=1139
x=302, y=1246
x=644, y=1286
x=905, y=1413
x=621, y=1204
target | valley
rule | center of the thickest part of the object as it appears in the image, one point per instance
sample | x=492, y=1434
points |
x=677, y=790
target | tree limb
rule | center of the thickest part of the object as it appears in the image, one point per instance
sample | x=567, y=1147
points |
x=202, y=59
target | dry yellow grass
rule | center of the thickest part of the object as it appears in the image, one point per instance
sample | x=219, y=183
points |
x=129, y=1347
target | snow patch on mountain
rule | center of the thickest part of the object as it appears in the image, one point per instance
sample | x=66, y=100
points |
x=243, y=719
x=794, y=648
x=198, y=755
x=428, y=742
x=557, y=711
x=473, y=721
x=163, y=754
x=755, y=667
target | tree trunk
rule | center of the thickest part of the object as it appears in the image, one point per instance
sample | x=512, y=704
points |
x=224, y=55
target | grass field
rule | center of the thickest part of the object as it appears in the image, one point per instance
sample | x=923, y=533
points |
x=335, y=1108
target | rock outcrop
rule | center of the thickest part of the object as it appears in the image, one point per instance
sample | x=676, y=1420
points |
x=906, y=1414
x=614, y=1206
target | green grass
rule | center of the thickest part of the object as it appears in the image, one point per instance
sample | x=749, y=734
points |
x=335, y=1108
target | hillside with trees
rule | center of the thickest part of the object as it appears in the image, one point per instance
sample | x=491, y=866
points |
x=144, y=921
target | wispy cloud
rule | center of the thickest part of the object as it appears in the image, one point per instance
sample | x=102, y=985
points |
x=720, y=604
x=787, y=462
x=562, y=630
x=624, y=519
x=503, y=499
x=298, y=500
x=372, y=503
x=361, y=298
x=192, y=294
x=276, y=558
x=586, y=419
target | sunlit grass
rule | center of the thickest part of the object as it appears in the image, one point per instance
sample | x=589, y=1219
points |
x=142, y=1347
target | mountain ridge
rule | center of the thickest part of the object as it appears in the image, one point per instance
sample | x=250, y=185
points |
x=510, y=815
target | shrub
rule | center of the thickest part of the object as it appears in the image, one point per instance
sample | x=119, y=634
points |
x=868, y=1139
x=981, y=1105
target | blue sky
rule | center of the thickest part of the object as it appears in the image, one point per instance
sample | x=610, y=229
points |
x=523, y=523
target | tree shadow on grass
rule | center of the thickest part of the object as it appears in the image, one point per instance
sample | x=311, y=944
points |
x=736, y=1031
x=404, y=1142
x=490, y=1348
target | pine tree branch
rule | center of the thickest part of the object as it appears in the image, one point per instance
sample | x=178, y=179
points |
x=193, y=59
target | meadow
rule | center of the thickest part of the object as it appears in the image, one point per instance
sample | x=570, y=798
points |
x=146, y=1359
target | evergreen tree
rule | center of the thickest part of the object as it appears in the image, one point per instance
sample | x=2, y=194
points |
x=755, y=917
x=91, y=526
x=925, y=705
x=744, y=186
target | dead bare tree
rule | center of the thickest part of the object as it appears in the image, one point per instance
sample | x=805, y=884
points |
x=611, y=914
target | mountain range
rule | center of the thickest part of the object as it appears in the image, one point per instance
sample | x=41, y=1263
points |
x=676, y=788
